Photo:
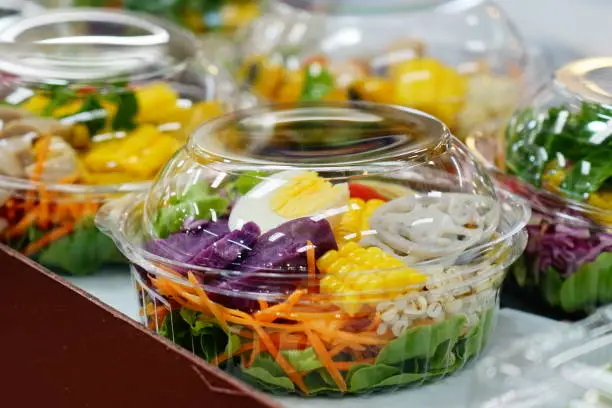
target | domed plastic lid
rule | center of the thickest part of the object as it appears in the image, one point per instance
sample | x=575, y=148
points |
x=359, y=6
x=562, y=141
x=85, y=45
x=275, y=178
x=344, y=200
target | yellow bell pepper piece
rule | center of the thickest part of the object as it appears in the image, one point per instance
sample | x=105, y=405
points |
x=365, y=275
x=235, y=15
x=264, y=76
x=290, y=89
x=36, y=104
x=430, y=86
x=140, y=154
x=553, y=176
x=68, y=109
x=374, y=89
x=153, y=101
x=602, y=200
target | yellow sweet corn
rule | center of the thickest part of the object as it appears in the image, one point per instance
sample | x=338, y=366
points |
x=429, y=85
x=602, y=200
x=237, y=14
x=153, y=100
x=365, y=275
x=356, y=219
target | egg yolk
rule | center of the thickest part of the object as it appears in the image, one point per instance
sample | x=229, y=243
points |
x=305, y=194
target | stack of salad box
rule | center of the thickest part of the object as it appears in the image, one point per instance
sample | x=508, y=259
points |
x=304, y=214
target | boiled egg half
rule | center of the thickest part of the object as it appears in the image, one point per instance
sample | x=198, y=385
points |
x=288, y=195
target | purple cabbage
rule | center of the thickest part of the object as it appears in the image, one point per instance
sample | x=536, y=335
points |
x=564, y=247
x=228, y=249
x=280, y=251
x=184, y=245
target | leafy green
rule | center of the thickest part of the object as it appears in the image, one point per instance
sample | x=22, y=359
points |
x=197, y=202
x=127, y=109
x=422, y=341
x=319, y=381
x=98, y=121
x=474, y=341
x=370, y=376
x=266, y=372
x=82, y=252
x=176, y=329
x=246, y=181
x=534, y=141
x=550, y=286
x=589, y=285
x=587, y=175
x=303, y=360
x=318, y=82
x=59, y=95
x=519, y=270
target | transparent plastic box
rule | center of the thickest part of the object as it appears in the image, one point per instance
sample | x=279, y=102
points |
x=463, y=62
x=93, y=103
x=555, y=153
x=569, y=367
x=322, y=248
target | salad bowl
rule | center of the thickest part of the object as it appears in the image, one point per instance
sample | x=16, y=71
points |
x=322, y=248
x=554, y=152
x=92, y=104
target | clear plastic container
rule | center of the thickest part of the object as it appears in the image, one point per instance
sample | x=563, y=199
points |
x=200, y=16
x=322, y=248
x=93, y=103
x=569, y=367
x=463, y=62
x=555, y=152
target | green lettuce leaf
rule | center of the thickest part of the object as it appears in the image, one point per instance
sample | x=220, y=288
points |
x=303, y=360
x=266, y=372
x=589, y=286
x=421, y=342
x=197, y=202
x=82, y=252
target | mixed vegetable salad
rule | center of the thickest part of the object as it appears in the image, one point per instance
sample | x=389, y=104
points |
x=565, y=153
x=297, y=283
x=199, y=16
x=405, y=75
x=57, y=138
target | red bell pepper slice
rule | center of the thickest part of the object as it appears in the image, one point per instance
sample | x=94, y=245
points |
x=364, y=192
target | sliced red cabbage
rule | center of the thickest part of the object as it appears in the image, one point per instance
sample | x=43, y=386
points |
x=281, y=251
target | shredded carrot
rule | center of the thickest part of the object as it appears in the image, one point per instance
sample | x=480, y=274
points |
x=263, y=305
x=346, y=365
x=358, y=355
x=312, y=268
x=22, y=225
x=211, y=306
x=337, y=350
x=373, y=324
x=10, y=206
x=255, y=352
x=280, y=359
x=45, y=240
x=69, y=179
x=326, y=359
x=43, y=208
x=271, y=313
x=223, y=357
